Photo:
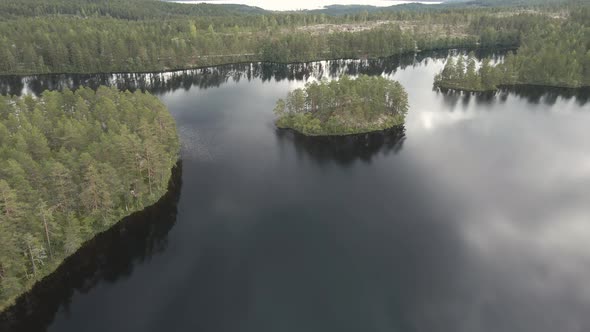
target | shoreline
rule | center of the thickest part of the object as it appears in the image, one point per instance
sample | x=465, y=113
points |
x=11, y=302
x=508, y=86
x=180, y=69
x=199, y=67
x=392, y=129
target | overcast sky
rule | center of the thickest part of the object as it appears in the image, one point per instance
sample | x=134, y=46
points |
x=303, y=4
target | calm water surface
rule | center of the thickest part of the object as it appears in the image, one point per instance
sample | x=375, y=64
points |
x=477, y=218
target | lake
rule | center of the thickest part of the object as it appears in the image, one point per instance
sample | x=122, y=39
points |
x=475, y=217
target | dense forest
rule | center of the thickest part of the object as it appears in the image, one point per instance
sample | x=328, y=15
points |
x=462, y=74
x=72, y=164
x=552, y=55
x=82, y=36
x=344, y=106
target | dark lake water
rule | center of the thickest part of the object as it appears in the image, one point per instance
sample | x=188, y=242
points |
x=474, y=218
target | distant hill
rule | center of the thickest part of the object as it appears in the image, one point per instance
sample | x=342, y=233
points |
x=340, y=10
x=509, y=3
x=121, y=9
x=230, y=8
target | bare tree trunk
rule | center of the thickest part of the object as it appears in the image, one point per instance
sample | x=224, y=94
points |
x=149, y=169
x=47, y=236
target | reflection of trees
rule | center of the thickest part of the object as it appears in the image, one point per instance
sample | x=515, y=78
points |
x=11, y=85
x=548, y=95
x=210, y=77
x=107, y=257
x=534, y=94
x=345, y=150
x=450, y=97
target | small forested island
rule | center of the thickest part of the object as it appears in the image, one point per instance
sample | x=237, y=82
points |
x=72, y=164
x=344, y=107
x=557, y=56
x=462, y=74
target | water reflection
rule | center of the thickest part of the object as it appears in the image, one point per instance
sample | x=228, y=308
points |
x=109, y=257
x=531, y=93
x=204, y=78
x=548, y=95
x=344, y=150
x=216, y=76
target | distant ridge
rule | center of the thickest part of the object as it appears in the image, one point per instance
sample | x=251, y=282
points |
x=341, y=10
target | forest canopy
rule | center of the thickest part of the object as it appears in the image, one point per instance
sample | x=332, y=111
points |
x=344, y=106
x=72, y=164
x=552, y=55
x=74, y=36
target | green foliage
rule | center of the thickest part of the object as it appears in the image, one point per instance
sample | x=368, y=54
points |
x=344, y=106
x=82, y=36
x=105, y=44
x=71, y=36
x=552, y=55
x=121, y=9
x=457, y=75
x=72, y=164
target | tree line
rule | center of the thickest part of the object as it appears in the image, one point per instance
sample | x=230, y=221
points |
x=344, y=106
x=462, y=74
x=73, y=45
x=67, y=36
x=72, y=164
x=552, y=55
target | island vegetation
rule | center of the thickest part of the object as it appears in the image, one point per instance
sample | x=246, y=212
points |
x=72, y=164
x=554, y=55
x=344, y=106
x=462, y=74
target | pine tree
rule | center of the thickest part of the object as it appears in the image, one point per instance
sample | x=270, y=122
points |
x=46, y=215
x=86, y=175
x=471, y=76
x=449, y=72
x=10, y=207
x=488, y=75
x=460, y=69
x=34, y=252
x=62, y=186
x=72, y=235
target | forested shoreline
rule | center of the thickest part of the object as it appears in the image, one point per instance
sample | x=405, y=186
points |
x=72, y=164
x=67, y=36
x=343, y=107
x=556, y=56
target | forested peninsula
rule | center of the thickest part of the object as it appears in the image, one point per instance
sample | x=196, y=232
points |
x=72, y=164
x=550, y=55
x=343, y=107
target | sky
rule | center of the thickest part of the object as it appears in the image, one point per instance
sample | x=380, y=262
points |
x=303, y=4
